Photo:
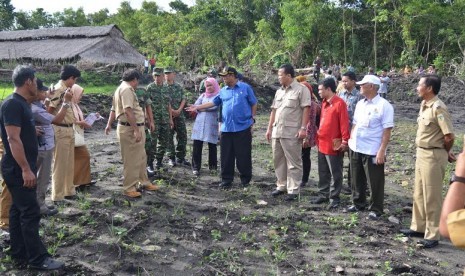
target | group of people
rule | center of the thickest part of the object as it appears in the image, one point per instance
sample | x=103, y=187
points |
x=38, y=128
x=360, y=123
x=352, y=123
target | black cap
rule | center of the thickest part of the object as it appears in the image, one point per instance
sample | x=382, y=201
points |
x=41, y=86
x=228, y=70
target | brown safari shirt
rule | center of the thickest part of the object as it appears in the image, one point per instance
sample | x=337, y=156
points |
x=434, y=122
x=125, y=97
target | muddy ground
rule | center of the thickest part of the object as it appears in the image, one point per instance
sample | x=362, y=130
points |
x=190, y=227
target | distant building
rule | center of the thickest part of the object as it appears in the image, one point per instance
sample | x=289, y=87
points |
x=94, y=45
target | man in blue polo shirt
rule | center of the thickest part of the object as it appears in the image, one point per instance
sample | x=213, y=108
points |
x=239, y=108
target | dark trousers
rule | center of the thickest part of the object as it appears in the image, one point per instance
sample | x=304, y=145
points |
x=330, y=166
x=316, y=74
x=306, y=164
x=24, y=221
x=365, y=172
x=236, y=147
x=197, y=155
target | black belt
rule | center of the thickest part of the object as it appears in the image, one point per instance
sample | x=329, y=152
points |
x=128, y=124
x=64, y=125
x=429, y=148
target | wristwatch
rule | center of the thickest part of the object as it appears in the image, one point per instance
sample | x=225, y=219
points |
x=66, y=105
x=455, y=178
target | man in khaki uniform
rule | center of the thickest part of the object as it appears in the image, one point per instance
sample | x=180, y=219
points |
x=131, y=135
x=63, y=165
x=287, y=127
x=452, y=223
x=434, y=140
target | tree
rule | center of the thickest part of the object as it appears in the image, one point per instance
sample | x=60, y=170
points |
x=7, y=16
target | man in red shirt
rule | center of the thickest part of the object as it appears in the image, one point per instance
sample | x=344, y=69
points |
x=332, y=139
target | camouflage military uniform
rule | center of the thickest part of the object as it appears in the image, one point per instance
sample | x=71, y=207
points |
x=161, y=115
x=176, y=95
x=143, y=98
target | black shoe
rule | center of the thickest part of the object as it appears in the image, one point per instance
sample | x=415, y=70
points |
x=354, y=209
x=225, y=185
x=71, y=197
x=332, y=205
x=172, y=162
x=49, y=212
x=411, y=233
x=150, y=171
x=196, y=172
x=183, y=162
x=428, y=243
x=277, y=193
x=319, y=200
x=48, y=264
x=303, y=184
x=245, y=184
x=291, y=197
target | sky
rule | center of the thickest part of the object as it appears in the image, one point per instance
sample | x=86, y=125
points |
x=89, y=6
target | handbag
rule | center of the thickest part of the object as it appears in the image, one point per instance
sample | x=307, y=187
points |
x=78, y=136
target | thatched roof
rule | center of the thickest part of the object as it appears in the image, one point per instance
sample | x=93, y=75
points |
x=102, y=44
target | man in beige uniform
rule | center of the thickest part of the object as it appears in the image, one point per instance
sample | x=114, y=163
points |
x=434, y=140
x=287, y=127
x=131, y=135
x=63, y=165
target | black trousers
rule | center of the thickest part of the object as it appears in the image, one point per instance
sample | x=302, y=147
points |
x=306, y=164
x=364, y=172
x=316, y=74
x=197, y=156
x=236, y=147
x=24, y=221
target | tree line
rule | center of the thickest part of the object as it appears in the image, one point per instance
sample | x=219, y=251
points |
x=267, y=33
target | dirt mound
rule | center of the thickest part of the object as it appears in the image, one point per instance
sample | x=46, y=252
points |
x=403, y=88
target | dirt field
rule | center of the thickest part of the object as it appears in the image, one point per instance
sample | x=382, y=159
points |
x=190, y=227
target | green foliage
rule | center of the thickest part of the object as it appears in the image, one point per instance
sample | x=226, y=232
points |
x=267, y=33
x=6, y=14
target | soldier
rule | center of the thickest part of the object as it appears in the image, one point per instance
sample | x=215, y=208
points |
x=177, y=102
x=157, y=141
x=146, y=104
x=131, y=134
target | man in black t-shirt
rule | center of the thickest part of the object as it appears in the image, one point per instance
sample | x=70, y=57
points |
x=19, y=172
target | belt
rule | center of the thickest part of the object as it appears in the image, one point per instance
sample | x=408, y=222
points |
x=64, y=125
x=128, y=124
x=429, y=148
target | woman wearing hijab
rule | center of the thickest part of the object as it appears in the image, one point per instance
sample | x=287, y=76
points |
x=82, y=175
x=206, y=128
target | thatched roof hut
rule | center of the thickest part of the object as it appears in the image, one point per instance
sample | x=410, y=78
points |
x=101, y=44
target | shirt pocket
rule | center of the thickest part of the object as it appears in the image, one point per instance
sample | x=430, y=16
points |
x=292, y=123
x=292, y=101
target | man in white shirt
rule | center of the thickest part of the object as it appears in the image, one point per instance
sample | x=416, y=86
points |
x=383, y=87
x=371, y=131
